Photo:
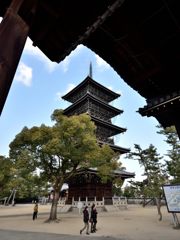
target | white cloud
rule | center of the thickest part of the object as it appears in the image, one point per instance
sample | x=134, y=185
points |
x=101, y=63
x=24, y=74
x=35, y=51
x=65, y=63
x=119, y=92
x=110, y=88
x=51, y=66
x=77, y=51
x=69, y=88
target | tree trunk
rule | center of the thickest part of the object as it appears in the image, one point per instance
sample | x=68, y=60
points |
x=144, y=202
x=53, y=212
x=158, y=204
x=10, y=196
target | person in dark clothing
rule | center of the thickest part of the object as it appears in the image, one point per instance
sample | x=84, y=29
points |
x=93, y=218
x=86, y=221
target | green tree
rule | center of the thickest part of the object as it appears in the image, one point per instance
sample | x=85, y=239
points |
x=5, y=176
x=17, y=180
x=134, y=190
x=154, y=172
x=58, y=151
x=129, y=191
x=173, y=164
x=25, y=178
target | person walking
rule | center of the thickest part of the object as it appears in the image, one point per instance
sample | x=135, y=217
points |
x=35, y=212
x=93, y=218
x=86, y=220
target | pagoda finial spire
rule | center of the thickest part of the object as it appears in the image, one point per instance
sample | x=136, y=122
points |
x=90, y=70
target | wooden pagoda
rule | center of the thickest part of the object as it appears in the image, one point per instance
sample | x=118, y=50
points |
x=93, y=98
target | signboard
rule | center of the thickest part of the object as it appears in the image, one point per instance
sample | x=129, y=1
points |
x=172, y=196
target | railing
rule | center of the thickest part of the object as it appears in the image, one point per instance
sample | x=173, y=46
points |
x=62, y=202
x=3, y=201
x=87, y=202
x=119, y=202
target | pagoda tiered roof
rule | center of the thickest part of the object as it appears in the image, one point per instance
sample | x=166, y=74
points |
x=113, y=128
x=116, y=173
x=116, y=148
x=114, y=111
x=110, y=95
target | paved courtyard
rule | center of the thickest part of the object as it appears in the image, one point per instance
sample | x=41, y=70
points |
x=135, y=223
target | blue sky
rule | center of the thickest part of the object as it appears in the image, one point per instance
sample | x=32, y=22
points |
x=39, y=84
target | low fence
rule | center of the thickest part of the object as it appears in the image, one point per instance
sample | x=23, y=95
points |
x=119, y=202
x=149, y=201
x=3, y=200
x=88, y=202
x=116, y=202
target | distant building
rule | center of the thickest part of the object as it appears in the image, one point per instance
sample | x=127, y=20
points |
x=87, y=183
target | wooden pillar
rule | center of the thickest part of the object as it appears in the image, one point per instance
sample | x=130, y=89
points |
x=13, y=34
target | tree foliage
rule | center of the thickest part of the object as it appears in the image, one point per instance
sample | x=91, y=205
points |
x=154, y=172
x=5, y=176
x=173, y=162
x=134, y=190
x=58, y=151
x=15, y=176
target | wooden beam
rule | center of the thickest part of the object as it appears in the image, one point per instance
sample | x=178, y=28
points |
x=13, y=34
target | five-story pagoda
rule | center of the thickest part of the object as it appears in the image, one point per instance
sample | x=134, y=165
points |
x=93, y=98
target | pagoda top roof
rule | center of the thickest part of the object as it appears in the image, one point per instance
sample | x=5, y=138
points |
x=88, y=95
x=88, y=80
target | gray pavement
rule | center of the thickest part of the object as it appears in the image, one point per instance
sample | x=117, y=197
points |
x=18, y=235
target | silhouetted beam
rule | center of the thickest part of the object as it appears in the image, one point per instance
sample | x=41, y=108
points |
x=13, y=35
